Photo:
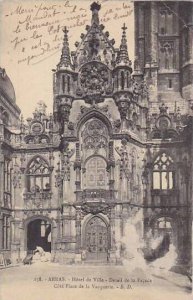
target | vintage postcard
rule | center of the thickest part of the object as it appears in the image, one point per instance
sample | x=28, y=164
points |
x=96, y=149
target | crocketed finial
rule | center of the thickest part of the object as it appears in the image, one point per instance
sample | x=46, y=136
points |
x=65, y=61
x=95, y=7
x=123, y=57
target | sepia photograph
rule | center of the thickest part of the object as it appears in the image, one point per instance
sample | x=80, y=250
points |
x=96, y=149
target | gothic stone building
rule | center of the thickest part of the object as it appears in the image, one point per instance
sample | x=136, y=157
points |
x=117, y=150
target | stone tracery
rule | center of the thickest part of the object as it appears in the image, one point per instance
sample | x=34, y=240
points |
x=103, y=112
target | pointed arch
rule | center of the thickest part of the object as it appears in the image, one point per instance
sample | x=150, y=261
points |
x=163, y=172
x=94, y=114
x=96, y=175
x=38, y=175
x=37, y=229
x=96, y=237
x=122, y=80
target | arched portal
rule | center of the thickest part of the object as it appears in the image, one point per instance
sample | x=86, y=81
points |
x=164, y=239
x=39, y=234
x=163, y=227
x=96, y=239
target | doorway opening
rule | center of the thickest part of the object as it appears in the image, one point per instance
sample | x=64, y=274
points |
x=96, y=239
x=39, y=234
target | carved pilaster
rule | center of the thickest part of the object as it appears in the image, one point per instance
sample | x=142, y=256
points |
x=111, y=165
x=64, y=107
x=112, y=230
x=125, y=170
x=145, y=182
x=64, y=174
x=77, y=167
x=78, y=229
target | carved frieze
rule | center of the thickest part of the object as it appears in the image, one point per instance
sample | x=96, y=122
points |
x=96, y=208
x=38, y=129
x=95, y=82
x=125, y=163
x=63, y=171
x=95, y=135
x=166, y=125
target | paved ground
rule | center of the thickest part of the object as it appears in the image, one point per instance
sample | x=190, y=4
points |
x=46, y=281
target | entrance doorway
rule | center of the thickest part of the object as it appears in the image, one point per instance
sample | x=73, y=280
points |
x=39, y=234
x=96, y=234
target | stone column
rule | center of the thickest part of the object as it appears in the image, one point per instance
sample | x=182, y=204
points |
x=15, y=241
x=78, y=229
x=77, y=168
x=112, y=242
x=140, y=33
x=1, y=232
x=54, y=243
x=66, y=176
x=1, y=179
x=111, y=166
x=154, y=31
x=125, y=170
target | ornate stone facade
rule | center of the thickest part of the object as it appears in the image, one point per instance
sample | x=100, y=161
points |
x=82, y=173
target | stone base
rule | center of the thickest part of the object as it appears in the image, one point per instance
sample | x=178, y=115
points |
x=16, y=255
x=78, y=258
x=63, y=257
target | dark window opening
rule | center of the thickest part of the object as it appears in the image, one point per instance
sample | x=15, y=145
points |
x=38, y=176
x=122, y=80
x=127, y=79
x=163, y=173
x=68, y=84
x=170, y=83
x=63, y=84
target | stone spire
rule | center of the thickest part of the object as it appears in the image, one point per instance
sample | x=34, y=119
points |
x=95, y=7
x=122, y=56
x=65, y=60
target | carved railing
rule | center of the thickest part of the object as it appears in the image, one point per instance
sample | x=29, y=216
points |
x=165, y=197
x=37, y=200
x=65, y=239
x=95, y=195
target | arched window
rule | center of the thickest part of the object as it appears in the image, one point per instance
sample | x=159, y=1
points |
x=167, y=57
x=186, y=45
x=128, y=79
x=38, y=176
x=162, y=227
x=166, y=19
x=94, y=138
x=63, y=83
x=122, y=80
x=68, y=81
x=117, y=81
x=163, y=173
x=96, y=173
